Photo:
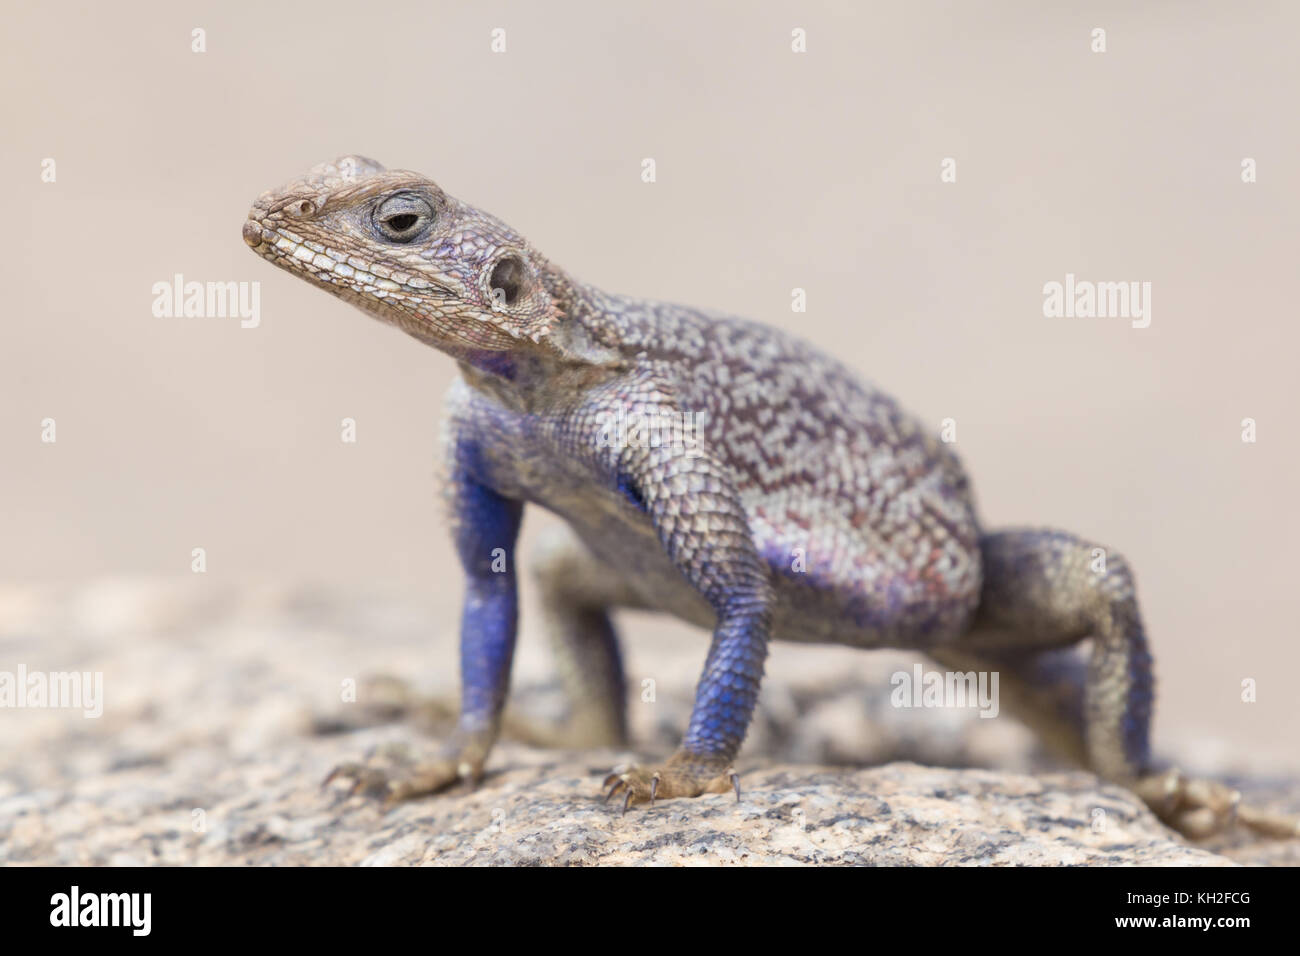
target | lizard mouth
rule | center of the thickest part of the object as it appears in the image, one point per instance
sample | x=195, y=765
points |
x=335, y=269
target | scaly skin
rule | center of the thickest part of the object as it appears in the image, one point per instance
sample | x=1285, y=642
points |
x=805, y=505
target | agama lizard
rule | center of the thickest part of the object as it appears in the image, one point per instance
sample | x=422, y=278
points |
x=755, y=487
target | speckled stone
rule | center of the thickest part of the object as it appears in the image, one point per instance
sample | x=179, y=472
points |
x=223, y=714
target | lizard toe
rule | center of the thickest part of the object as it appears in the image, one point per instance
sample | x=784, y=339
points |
x=1196, y=808
x=678, y=777
x=394, y=782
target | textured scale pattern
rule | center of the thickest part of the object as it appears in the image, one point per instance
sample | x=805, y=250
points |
x=811, y=507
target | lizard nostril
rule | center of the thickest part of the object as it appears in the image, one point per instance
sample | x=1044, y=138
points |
x=252, y=232
x=300, y=209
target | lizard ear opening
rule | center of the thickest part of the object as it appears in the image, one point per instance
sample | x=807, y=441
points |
x=507, y=280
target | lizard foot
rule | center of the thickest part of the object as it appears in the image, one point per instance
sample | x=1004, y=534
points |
x=682, y=775
x=1200, y=808
x=395, y=777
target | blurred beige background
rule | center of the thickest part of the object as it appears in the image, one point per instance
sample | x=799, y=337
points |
x=775, y=170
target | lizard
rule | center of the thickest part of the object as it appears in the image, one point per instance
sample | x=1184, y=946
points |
x=718, y=470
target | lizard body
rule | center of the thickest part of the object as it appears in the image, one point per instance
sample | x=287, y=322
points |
x=785, y=500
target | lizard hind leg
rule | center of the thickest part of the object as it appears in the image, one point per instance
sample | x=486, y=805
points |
x=578, y=590
x=1047, y=590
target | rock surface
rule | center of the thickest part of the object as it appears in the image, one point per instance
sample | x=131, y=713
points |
x=223, y=711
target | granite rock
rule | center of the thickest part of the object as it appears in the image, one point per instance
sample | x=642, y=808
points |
x=224, y=708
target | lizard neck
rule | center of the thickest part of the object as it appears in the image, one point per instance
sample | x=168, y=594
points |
x=586, y=329
x=581, y=350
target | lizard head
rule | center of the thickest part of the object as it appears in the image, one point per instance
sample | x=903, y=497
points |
x=396, y=246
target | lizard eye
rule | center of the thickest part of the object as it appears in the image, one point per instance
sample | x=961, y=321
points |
x=402, y=218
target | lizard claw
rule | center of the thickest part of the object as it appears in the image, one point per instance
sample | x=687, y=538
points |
x=360, y=777
x=681, y=776
x=336, y=772
x=398, y=781
x=1200, y=808
x=1265, y=823
x=617, y=783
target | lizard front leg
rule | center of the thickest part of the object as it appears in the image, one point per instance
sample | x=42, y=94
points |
x=485, y=526
x=697, y=515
